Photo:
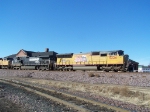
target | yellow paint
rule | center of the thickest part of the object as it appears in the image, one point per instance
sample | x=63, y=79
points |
x=89, y=59
x=4, y=62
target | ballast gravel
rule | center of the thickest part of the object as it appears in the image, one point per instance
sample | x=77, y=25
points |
x=15, y=99
x=129, y=79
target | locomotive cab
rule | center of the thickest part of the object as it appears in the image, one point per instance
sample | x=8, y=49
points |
x=130, y=65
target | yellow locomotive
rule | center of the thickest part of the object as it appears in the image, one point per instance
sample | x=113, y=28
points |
x=97, y=60
x=5, y=64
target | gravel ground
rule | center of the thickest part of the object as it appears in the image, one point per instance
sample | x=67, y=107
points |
x=131, y=79
x=19, y=100
x=8, y=106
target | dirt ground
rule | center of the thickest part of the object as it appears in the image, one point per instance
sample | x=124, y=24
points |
x=134, y=95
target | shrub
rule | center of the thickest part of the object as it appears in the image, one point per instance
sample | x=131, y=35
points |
x=125, y=91
x=116, y=90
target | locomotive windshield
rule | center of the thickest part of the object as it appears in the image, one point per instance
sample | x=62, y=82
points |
x=121, y=53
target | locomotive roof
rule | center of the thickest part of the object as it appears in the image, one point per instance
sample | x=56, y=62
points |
x=50, y=53
x=111, y=51
x=65, y=54
x=100, y=52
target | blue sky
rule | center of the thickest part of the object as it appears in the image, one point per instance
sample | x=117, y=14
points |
x=76, y=26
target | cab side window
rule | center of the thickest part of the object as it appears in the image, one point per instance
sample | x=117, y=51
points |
x=103, y=55
x=113, y=54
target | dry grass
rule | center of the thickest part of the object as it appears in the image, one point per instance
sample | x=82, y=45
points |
x=121, y=91
x=100, y=89
x=124, y=92
x=116, y=90
x=109, y=89
x=137, y=93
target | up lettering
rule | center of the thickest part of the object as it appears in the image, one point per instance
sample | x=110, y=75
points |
x=113, y=57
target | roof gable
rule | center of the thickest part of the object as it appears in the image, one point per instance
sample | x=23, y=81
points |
x=24, y=53
x=21, y=53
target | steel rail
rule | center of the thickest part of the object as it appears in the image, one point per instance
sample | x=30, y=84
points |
x=80, y=71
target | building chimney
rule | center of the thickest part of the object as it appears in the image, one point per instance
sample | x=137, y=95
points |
x=47, y=50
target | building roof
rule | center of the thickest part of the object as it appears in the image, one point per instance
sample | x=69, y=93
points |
x=10, y=56
x=142, y=66
x=29, y=53
x=38, y=54
x=33, y=54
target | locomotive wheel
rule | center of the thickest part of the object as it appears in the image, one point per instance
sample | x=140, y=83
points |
x=36, y=67
x=46, y=68
x=112, y=69
x=115, y=70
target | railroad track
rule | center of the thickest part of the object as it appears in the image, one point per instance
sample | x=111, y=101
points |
x=81, y=71
x=75, y=102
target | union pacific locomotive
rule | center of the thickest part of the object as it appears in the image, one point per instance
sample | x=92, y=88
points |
x=50, y=60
